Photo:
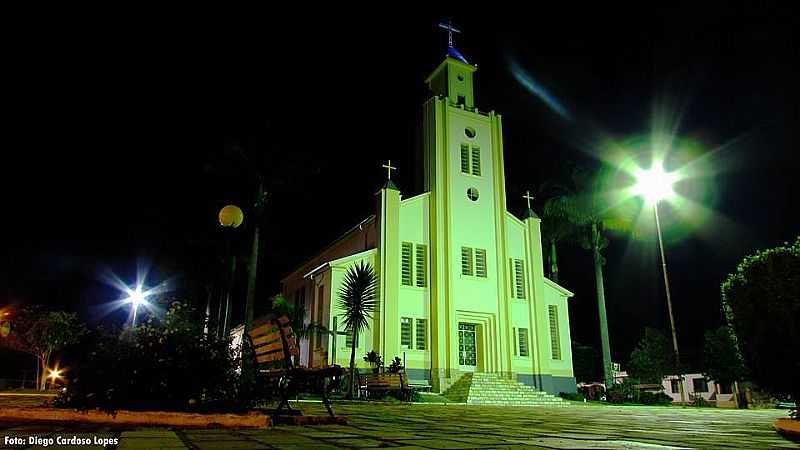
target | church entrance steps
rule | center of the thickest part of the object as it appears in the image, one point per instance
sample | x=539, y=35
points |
x=495, y=389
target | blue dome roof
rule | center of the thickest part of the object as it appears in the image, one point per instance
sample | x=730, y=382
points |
x=453, y=53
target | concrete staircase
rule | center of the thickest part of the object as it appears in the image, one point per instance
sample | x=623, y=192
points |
x=493, y=389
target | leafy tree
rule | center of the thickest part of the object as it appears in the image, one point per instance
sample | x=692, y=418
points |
x=589, y=209
x=761, y=301
x=722, y=361
x=652, y=358
x=42, y=333
x=357, y=300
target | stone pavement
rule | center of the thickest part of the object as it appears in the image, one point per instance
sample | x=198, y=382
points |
x=431, y=426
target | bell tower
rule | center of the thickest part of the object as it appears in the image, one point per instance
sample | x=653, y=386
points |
x=463, y=160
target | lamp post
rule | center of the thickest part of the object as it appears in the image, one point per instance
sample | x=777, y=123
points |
x=655, y=185
x=230, y=216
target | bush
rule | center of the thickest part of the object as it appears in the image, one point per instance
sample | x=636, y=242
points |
x=574, y=396
x=621, y=393
x=654, y=398
x=167, y=364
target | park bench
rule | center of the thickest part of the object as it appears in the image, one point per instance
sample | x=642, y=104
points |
x=377, y=385
x=274, y=344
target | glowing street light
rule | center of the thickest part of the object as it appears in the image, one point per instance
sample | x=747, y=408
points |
x=55, y=374
x=136, y=298
x=655, y=185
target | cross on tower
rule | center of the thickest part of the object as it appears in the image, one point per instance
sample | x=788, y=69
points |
x=528, y=197
x=450, y=30
x=389, y=168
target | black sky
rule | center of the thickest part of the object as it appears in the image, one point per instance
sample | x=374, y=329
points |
x=124, y=141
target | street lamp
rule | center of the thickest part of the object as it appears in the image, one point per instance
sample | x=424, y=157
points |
x=655, y=185
x=136, y=298
x=55, y=374
x=230, y=216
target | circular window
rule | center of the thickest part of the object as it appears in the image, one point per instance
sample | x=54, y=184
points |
x=472, y=194
x=470, y=132
x=461, y=78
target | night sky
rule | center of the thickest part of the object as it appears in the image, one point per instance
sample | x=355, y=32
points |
x=122, y=145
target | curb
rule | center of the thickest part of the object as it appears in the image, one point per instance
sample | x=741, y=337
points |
x=122, y=417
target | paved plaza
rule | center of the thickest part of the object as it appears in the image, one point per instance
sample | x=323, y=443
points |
x=430, y=426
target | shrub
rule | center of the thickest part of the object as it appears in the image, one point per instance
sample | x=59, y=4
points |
x=166, y=364
x=621, y=392
x=574, y=396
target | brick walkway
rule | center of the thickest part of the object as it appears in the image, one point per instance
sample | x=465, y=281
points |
x=467, y=427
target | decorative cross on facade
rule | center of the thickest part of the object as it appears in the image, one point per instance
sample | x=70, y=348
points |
x=450, y=30
x=528, y=197
x=389, y=168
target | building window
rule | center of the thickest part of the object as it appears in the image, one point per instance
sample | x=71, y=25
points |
x=422, y=334
x=473, y=194
x=469, y=132
x=348, y=337
x=519, y=278
x=673, y=386
x=405, y=333
x=555, y=341
x=514, y=333
x=422, y=265
x=464, y=158
x=523, y=341
x=405, y=265
x=466, y=261
x=480, y=262
x=700, y=384
x=476, y=161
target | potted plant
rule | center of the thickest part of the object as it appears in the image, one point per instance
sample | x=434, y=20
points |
x=396, y=365
x=375, y=361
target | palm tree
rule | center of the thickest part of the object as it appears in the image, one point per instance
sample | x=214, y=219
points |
x=555, y=229
x=357, y=300
x=297, y=316
x=589, y=210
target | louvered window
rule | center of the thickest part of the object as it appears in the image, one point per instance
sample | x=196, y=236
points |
x=514, y=333
x=480, y=262
x=523, y=341
x=466, y=261
x=464, y=158
x=476, y=161
x=320, y=309
x=348, y=338
x=405, y=264
x=405, y=332
x=421, y=265
x=519, y=279
x=422, y=334
x=555, y=342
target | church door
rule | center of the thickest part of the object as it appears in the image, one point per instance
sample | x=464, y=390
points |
x=467, y=348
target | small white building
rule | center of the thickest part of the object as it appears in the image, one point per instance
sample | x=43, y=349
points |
x=694, y=384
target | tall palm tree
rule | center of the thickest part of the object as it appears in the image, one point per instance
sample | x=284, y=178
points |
x=357, y=300
x=589, y=210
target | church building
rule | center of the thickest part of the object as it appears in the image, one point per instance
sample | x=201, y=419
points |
x=461, y=281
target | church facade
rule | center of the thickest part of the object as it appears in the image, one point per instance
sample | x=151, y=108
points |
x=461, y=280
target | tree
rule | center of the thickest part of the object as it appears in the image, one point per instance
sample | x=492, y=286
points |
x=761, y=301
x=42, y=333
x=588, y=209
x=357, y=300
x=652, y=358
x=722, y=361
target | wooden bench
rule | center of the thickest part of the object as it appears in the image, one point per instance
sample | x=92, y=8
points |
x=274, y=344
x=377, y=385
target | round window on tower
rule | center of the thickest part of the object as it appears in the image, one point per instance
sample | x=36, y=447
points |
x=460, y=78
x=470, y=132
x=472, y=194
